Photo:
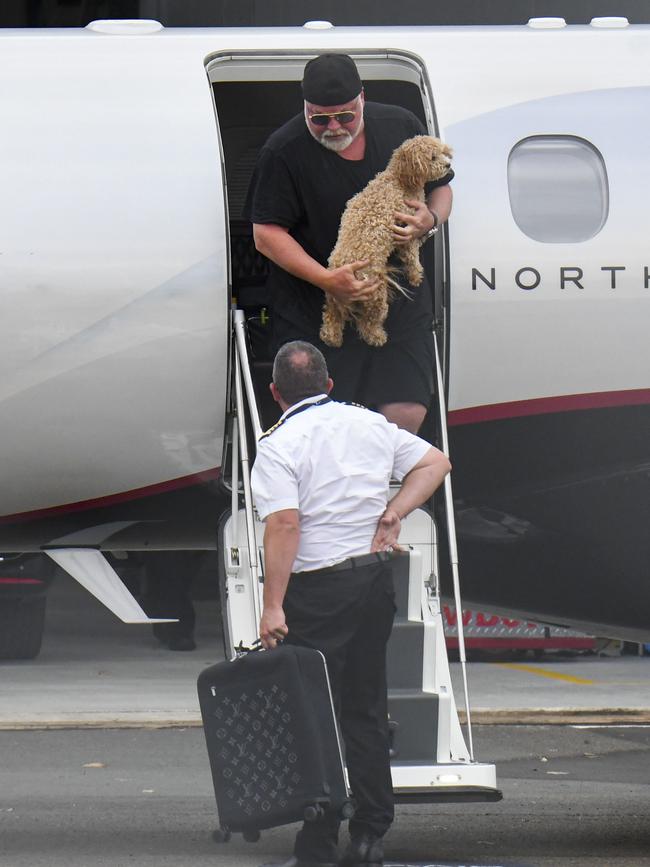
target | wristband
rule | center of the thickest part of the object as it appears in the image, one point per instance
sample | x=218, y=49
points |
x=432, y=231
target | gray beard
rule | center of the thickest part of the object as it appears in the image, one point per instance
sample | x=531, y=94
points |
x=336, y=143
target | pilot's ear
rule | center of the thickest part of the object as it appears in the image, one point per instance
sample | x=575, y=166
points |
x=274, y=391
x=330, y=384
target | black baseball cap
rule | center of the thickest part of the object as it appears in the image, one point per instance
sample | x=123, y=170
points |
x=331, y=79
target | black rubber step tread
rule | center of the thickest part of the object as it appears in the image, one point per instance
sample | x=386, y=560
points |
x=404, y=655
x=401, y=584
x=414, y=717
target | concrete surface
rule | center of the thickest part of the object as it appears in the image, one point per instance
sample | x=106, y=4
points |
x=95, y=670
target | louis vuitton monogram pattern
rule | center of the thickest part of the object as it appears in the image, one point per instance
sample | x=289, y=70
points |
x=256, y=750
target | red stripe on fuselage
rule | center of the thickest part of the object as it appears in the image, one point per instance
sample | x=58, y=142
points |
x=20, y=581
x=547, y=405
x=470, y=415
x=112, y=499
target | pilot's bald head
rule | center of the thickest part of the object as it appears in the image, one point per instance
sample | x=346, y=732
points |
x=300, y=371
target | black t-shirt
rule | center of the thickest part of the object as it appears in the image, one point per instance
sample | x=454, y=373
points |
x=304, y=187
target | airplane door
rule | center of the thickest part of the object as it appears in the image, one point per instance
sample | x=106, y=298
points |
x=256, y=94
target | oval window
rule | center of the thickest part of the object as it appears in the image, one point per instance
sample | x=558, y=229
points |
x=558, y=188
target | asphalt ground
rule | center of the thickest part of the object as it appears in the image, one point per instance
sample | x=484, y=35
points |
x=102, y=760
x=573, y=797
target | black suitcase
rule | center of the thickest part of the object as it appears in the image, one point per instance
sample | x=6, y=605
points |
x=272, y=740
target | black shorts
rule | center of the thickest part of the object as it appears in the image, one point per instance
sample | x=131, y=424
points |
x=399, y=372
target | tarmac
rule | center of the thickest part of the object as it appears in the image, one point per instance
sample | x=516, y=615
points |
x=94, y=671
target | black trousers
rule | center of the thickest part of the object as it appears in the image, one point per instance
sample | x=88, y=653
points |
x=348, y=616
x=169, y=576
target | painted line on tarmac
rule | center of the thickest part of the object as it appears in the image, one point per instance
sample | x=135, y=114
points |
x=443, y=864
x=545, y=672
x=530, y=716
x=522, y=716
x=619, y=726
x=123, y=721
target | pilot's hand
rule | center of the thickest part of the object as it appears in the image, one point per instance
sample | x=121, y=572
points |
x=273, y=627
x=344, y=284
x=410, y=227
x=387, y=533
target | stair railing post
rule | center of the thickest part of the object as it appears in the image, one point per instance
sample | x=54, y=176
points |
x=246, y=482
x=453, y=547
x=239, y=323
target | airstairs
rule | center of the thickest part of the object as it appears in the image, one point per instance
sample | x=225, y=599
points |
x=432, y=758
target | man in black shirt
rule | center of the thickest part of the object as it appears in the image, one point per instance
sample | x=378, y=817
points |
x=305, y=175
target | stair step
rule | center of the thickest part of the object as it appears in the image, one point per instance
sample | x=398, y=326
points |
x=401, y=584
x=415, y=716
x=404, y=655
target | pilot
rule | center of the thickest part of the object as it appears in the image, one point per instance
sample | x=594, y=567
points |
x=305, y=174
x=320, y=483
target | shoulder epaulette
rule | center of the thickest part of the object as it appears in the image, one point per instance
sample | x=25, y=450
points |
x=295, y=411
x=267, y=433
x=352, y=403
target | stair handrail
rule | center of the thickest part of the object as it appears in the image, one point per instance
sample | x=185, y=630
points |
x=239, y=326
x=242, y=372
x=451, y=537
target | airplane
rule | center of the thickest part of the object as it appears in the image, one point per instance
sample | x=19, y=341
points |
x=126, y=155
x=134, y=336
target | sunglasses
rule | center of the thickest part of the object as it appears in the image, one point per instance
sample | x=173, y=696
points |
x=339, y=116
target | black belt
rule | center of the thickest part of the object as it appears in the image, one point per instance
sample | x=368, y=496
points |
x=353, y=563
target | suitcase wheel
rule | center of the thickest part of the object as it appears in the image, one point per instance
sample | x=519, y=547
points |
x=251, y=836
x=313, y=812
x=347, y=810
x=221, y=835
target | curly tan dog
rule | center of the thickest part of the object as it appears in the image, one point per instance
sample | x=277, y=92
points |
x=366, y=233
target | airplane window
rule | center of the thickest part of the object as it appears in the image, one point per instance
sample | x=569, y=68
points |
x=558, y=188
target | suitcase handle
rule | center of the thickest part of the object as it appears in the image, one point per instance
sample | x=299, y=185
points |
x=242, y=650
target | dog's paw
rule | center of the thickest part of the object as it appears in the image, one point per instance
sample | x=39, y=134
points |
x=331, y=337
x=415, y=276
x=376, y=337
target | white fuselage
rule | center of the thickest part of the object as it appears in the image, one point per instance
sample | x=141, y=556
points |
x=114, y=252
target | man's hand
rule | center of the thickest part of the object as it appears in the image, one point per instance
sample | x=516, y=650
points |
x=273, y=627
x=281, y=539
x=416, y=225
x=342, y=283
x=387, y=534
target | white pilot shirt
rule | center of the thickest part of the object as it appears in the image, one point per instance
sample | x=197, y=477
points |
x=333, y=463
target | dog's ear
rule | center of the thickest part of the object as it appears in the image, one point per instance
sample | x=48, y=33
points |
x=441, y=154
x=411, y=162
x=446, y=150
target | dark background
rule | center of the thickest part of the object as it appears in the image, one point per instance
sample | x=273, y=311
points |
x=179, y=13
